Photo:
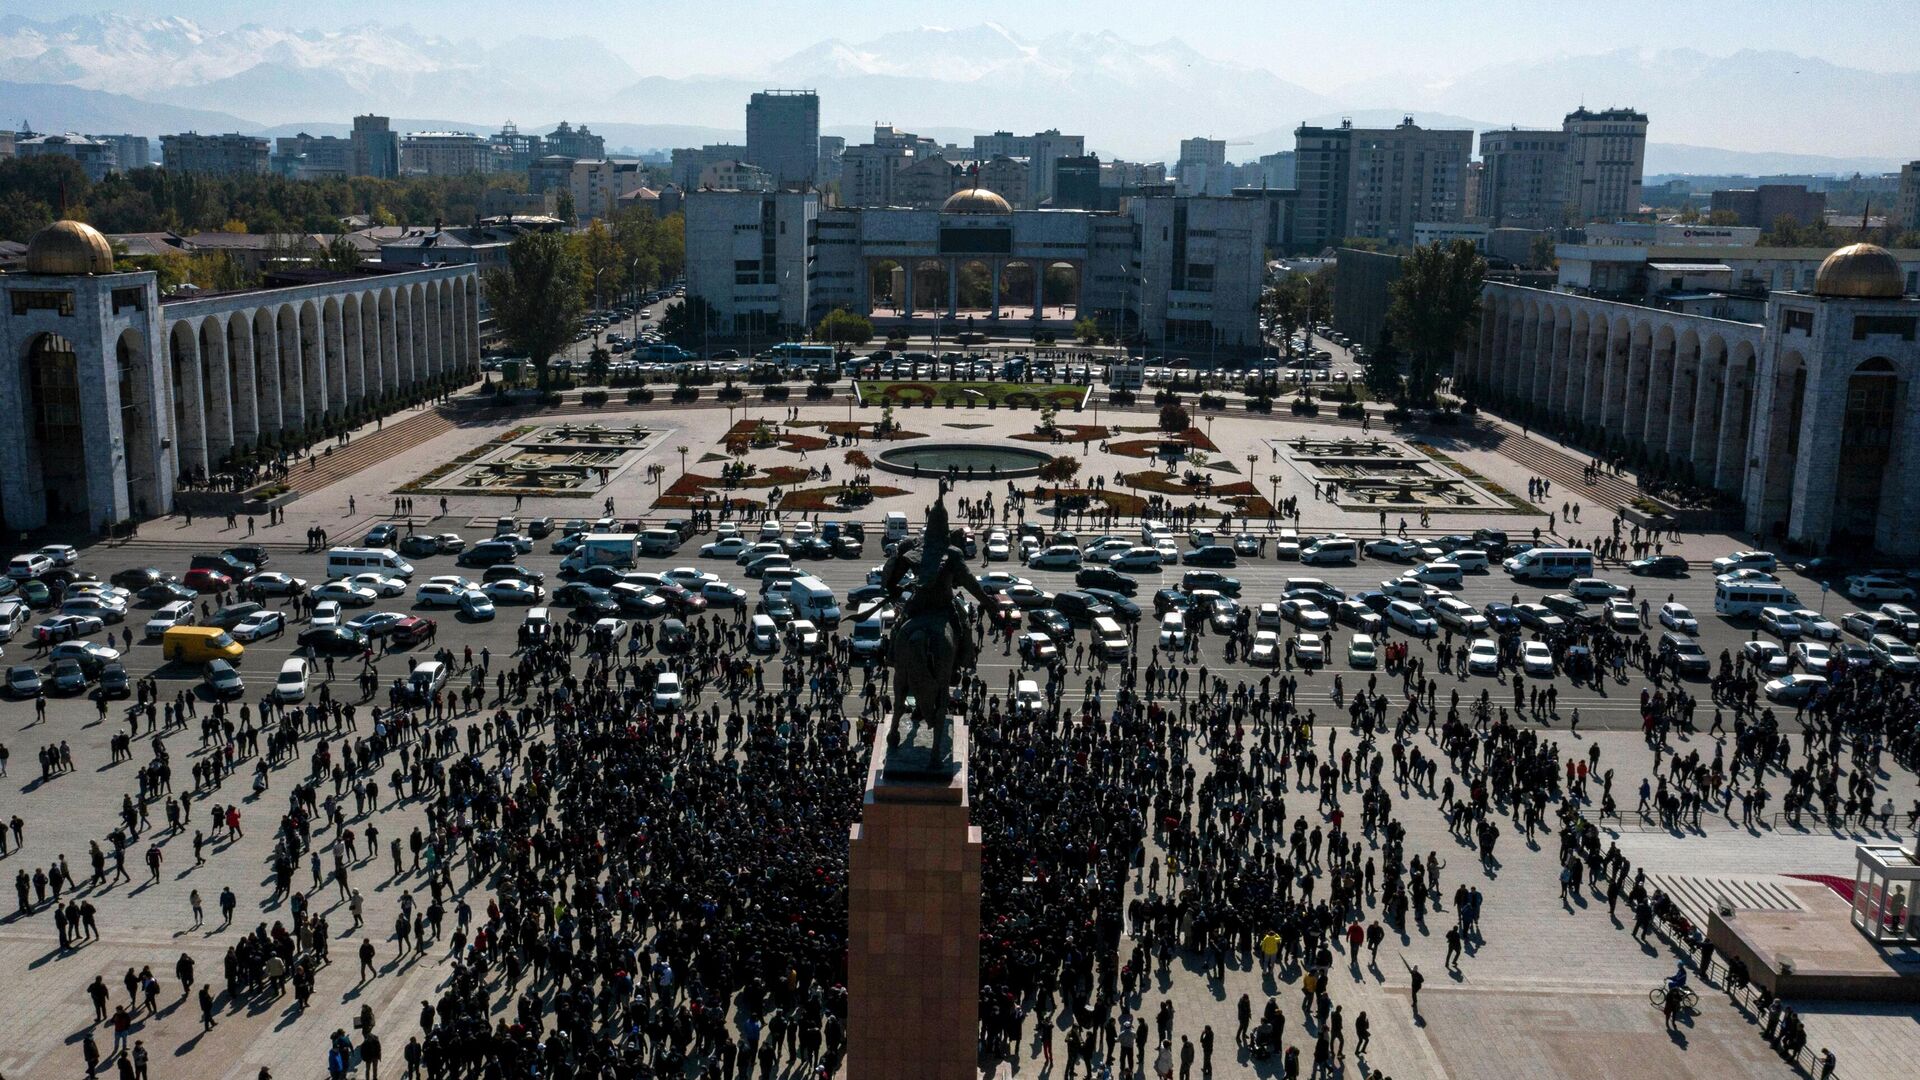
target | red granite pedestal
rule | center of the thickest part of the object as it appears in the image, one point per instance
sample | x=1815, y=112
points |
x=913, y=913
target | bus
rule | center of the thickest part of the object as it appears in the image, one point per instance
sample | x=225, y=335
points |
x=1741, y=598
x=796, y=354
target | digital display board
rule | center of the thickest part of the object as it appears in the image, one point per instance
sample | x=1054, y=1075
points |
x=954, y=241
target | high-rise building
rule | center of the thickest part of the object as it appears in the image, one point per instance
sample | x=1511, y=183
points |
x=1076, y=183
x=128, y=151
x=518, y=150
x=1906, y=209
x=867, y=171
x=1202, y=168
x=215, y=155
x=445, y=153
x=376, y=150
x=1043, y=150
x=783, y=135
x=96, y=157
x=1606, y=162
x=313, y=157
x=575, y=142
x=735, y=176
x=689, y=161
x=1321, y=160
x=831, y=147
x=1203, y=151
x=1278, y=170
x=1764, y=204
x=1376, y=183
x=1524, y=180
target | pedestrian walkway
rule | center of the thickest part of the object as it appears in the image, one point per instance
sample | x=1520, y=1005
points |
x=1565, y=470
x=324, y=470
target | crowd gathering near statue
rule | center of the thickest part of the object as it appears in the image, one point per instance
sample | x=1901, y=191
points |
x=619, y=891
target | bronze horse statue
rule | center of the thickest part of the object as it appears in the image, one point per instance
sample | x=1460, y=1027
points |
x=930, y=648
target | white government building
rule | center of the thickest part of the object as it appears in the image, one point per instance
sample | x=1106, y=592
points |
x=1187, y=271
x=111, y=394
x=1809, y=416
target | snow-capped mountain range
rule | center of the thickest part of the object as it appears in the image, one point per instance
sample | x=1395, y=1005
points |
x=1130, y=99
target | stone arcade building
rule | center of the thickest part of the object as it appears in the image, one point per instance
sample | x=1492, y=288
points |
x=1811, y=417
x=108, y=394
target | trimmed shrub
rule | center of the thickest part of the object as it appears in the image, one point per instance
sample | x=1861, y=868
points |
x=594, y=398
x=1350, y=410
x=639, y=395
x=684, y=394
x=1305, y=408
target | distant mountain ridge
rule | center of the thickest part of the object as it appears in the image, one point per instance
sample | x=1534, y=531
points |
x=1130, y=99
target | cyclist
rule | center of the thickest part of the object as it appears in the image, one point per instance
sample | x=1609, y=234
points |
x=1678, y=980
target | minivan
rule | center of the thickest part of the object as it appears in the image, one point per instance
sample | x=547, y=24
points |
x=659, y=542
x=1412, y=619
x=1780, y=622
x=346, y=562
x=1336, y=551
x=199, y=644
x=1469, y=559
x=1550, y=564
x=1109, y=640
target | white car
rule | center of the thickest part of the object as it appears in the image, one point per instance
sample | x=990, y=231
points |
x=261, y=624
x=1310, y=649
x=1815, y=625
x=104, y=608
x=1622, y=616
x=439, y=594
x=1811, y=656
x=1305, y=615
x=275, y=583
x=1168, y=551
x=513, y=591
x=998, y=581
x=1037, y=648
x=381, y=584
x=1268, y=617
x=1768, y=656
x=997, y=549
x=325, y=613
x=690, y=577
x=346, y=592
x=1794, y=689
x=292, y=683
x=1136, y=558
x=1173, y=630
x=1361, y=652
x=666, y=692
x=803, y=636
x=1266, y=649
x=177, y=613
x=1102, y=550
x=1679, y=617
x=1875, y=587
x=727, y=547
x=1057, y=557
x=455, y=580
x=1483, y=657
x=1536, y=659
x=1745, y=560
x=61, y=554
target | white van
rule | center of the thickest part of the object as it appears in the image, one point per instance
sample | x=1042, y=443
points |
x=764, y=634
x=13, y=616
x=292, y=683
x=1550, y=564
x=1333, y=551
x=659, y=542
x=1444, y=574
x=1751, y=597
x=813, y=600
x=1109, y=640
x=869, y=636
x=346, y=562
x=896, y=528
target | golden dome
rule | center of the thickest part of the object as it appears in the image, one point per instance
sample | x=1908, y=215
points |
x=1860, y=272
x=69, y=247
x=975, y=200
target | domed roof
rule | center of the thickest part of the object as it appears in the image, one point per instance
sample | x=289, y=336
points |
x=69, y=247
x=1862, y=272
x=975, y=200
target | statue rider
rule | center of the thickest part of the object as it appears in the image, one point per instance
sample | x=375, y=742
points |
x=939, y=566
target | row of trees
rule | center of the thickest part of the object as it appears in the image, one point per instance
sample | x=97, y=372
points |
x=35, y=191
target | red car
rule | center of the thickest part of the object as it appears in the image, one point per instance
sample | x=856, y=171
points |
x=411, y=630
x=684, y=600
x=207, y=581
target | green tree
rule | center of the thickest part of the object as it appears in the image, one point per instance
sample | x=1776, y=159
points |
x=1087, y=329
x=1284, y=307
x=843, y=327
x=536, y=297
x=339, y=254
x=686, y=323
x=1436, y=304
x=1381, y=369
x=1174, y=418
x=564, y=209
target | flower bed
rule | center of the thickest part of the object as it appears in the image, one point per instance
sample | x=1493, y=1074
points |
x=826, y=499
x=1071, y=433
x=991, y=394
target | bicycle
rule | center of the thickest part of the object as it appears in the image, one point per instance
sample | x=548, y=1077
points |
x=1689, y=1001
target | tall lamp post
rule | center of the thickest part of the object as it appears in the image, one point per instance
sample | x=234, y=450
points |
x=1273, y=516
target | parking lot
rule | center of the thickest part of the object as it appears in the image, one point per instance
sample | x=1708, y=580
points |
x=1260, y=579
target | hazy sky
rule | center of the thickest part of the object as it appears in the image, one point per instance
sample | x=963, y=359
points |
x=1322, y=44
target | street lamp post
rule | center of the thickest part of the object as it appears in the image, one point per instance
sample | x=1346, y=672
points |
x=1274, y=514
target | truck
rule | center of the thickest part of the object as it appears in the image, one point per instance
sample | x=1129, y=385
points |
x=602, y=549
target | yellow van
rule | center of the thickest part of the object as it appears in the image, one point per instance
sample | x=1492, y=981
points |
x=199, y=644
